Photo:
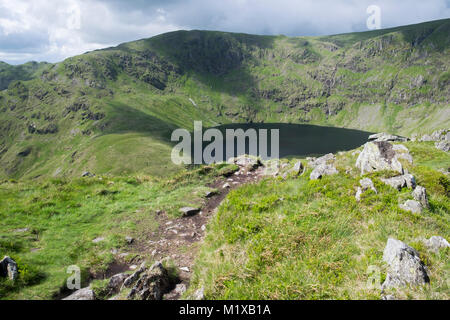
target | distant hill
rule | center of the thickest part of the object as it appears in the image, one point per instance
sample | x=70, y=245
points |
x=112, y=110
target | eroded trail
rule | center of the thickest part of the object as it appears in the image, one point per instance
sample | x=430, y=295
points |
x=178, y=240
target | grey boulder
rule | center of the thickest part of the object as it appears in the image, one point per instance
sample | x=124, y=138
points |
x=405, y=266
x=322, y=170
x=399, y=182
x=152, y=284
x=376, y=156
x=435, y=243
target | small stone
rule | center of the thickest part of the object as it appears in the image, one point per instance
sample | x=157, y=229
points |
x=203, y=227
x=185, y=269
x=189, y=211
x=226, y=186
x=99, y=239
x=8, y=268
x=358, y=194
x=129, y=240
x=21, y=230
x=180, y=288
x=210, y=194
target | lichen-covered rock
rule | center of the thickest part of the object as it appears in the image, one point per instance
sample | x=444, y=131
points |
x=135, y=276
x=420, y=194
x=443, y=145
x=412, y=206
x=116, y=282
x=435, y=243
x=82, y=294
x=399, y=182
x=405, y=266
x=248, y=161
x=366, y=184
x=152, y=284
x=358, y=194
x=326, y=159
x=298, y=168
x=8, y=268
x=377, y=156
x=323, y=170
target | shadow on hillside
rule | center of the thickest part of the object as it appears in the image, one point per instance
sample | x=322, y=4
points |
x=124, y=119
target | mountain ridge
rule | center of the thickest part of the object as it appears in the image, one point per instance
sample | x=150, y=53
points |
x=396, y=80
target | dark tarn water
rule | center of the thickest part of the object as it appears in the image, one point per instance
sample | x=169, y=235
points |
x=300, y=140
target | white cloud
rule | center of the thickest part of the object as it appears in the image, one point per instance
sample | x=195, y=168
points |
x=55, y=29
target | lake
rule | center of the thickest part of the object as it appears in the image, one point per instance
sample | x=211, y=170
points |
x=301, y=140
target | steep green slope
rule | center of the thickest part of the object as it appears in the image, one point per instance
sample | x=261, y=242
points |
x=27, y=71
x=112, y=110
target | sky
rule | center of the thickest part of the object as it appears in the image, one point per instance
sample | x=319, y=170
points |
x=52, y=30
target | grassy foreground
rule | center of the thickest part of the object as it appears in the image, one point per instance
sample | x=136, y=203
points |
x=302, y=239
x=60, y=218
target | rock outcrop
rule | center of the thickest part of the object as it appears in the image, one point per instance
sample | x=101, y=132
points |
x=378, y=156
x=405, y=266
x=438, y=135
x=151, y=284
x=386, y=137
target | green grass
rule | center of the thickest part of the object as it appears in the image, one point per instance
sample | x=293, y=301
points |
x=301, y=239
x=64, y=216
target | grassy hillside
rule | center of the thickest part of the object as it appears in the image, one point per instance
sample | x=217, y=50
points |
x=47, y=227
x=122, y=103
x=275, y=239
x=310, y=239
